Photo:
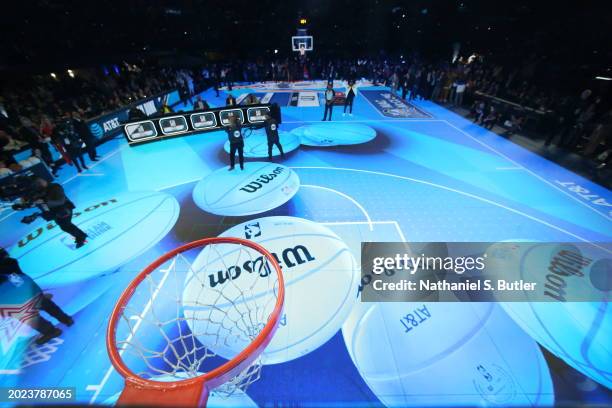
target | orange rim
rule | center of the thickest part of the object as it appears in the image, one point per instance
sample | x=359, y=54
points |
x=224, y=372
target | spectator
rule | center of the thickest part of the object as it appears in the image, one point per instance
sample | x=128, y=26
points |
x=459, y=86
x=135, y=114
x=230, y=100
x=200, y=104
x=490, y=118
x=479, y=112
x=166, y=109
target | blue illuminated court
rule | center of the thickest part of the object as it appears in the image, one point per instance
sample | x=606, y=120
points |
x=430, y=175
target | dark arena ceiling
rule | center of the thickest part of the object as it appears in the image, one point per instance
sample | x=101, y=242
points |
x=41, y=34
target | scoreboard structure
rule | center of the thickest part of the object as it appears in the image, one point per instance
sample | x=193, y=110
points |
x=186, y=123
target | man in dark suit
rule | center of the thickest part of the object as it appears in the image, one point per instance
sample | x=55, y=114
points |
x=55, y=206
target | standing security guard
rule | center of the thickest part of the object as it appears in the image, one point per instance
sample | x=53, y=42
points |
x=234, y=134
x=271, y=126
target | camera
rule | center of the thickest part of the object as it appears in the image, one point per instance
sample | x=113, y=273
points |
x=22, y=194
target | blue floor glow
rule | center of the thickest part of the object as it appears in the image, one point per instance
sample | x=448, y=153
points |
x=430, y=179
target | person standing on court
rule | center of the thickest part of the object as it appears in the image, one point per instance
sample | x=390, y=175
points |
x=271, y=126
x=67, y=136
x=234, y=134
x=351, y=92
x=329, y=95
x=55, y=206
x=85, y=133
x=13, y=278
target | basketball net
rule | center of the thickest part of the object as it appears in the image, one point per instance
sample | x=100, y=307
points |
x=194, y=321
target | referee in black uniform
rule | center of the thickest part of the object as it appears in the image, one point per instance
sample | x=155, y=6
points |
x=271, y=126
x=234, y=134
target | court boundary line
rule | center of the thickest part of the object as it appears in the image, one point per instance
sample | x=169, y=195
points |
x=534, y=174
x=395, y=223
x=180, y=184
x=348, y=197
x=364, y=121
x=485, y=200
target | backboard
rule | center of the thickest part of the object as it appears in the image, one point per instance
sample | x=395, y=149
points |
x=302, y=43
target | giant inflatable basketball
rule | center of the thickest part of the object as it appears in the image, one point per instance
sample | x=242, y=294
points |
x=316, y=264
x=334, y=134
x=258, y=188
x=119, y=228
x=440, y=354
x=577, y=332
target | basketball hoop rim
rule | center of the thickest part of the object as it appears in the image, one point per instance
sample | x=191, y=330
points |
x=220, y=374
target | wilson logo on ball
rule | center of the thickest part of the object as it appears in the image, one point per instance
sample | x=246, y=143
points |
x=259, y=182
x=291, y=257
x=50, y=226
x=562, y=266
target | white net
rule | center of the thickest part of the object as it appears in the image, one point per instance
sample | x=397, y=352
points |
x=196, y=311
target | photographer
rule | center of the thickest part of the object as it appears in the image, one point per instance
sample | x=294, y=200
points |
x=12, y=278
x=234, y=134
x=53, y=204
x=271, y=126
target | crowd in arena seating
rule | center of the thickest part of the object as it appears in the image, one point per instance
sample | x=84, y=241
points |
x=30, y=112
x=490, y=94
x=493, y=94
